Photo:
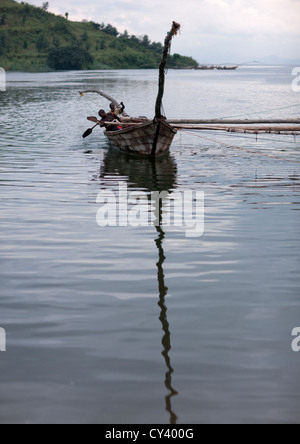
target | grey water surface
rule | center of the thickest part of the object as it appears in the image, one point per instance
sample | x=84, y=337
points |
x=144, y=324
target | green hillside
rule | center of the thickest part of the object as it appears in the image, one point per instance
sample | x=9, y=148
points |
x=32, y=39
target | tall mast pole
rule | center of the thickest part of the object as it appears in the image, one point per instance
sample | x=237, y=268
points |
x=162, y=67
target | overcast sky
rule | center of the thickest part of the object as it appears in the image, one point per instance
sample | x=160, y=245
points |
x=212, y=30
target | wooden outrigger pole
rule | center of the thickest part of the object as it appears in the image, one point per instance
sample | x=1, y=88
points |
x=234, y=122
x=270, y=126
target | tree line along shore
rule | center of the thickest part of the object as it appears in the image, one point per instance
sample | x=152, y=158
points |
x=33, y=39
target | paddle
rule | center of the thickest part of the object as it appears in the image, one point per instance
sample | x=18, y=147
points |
x=89, y=131
x=92, y=119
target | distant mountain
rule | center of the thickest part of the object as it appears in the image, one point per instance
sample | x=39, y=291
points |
x=32, y=39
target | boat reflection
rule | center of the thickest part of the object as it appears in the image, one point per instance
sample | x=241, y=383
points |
x=166, y=340
x=150, y=175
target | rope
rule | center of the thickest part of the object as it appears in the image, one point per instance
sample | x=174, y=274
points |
x=240, y=148
x=245, y=136
x=92, y=103
x=87, y=103
x=259, y=112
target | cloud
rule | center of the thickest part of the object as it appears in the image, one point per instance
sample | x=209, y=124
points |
x=241, y=26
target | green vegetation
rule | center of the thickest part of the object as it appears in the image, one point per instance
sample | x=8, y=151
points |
x=72, y=57
x=32, y=39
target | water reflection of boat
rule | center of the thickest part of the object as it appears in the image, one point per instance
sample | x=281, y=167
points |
x=157, y=174
x=166, y=339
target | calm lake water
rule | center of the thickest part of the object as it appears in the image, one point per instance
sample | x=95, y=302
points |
x=146, y=325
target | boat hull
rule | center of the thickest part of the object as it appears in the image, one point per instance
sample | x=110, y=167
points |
x=147, y=139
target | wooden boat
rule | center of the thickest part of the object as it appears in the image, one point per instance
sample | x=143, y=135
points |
x=184, y=68
x=227, y=68
x=204, y=68
x=152, y=138
x=212, y=67
x=146, y=137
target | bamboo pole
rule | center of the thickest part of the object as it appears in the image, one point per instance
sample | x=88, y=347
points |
x=255, y=129
x=101, y=93
x=233, y=122
x=106, y=96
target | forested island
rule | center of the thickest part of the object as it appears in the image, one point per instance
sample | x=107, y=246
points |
x=33, y=39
